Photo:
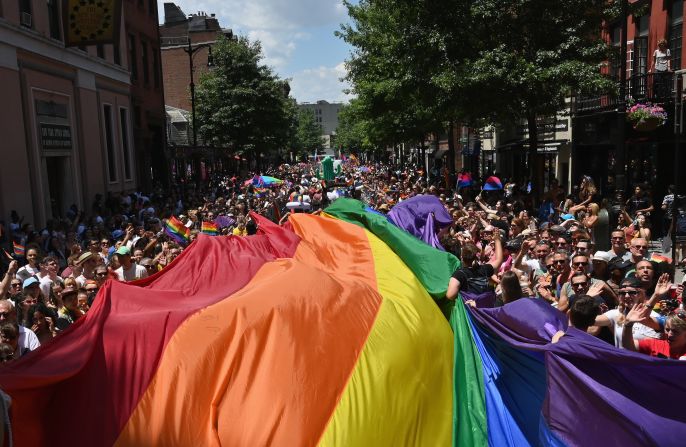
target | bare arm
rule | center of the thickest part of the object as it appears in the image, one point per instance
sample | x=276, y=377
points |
x=563, y=302
x=5, y=283
x=640, y=313
x=453, y=289
x=498, y=258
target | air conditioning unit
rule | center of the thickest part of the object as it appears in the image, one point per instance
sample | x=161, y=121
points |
x=26, y=19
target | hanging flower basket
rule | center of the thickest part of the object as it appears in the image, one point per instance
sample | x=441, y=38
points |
x=647, y=124
x=646, y=117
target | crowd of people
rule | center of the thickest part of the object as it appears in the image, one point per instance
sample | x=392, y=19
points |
x=586, y=255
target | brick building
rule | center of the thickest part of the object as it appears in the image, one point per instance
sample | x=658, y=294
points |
x=608, y=148
x=65, y=117
x=177, y=29
x=147, y=93
x=178, y=33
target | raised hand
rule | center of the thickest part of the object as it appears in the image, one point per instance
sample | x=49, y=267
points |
x=638, y=313
x=595, y=289
x=663, y=285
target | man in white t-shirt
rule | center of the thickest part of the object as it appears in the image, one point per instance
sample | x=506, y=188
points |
x=630, y=293
x=48, y=275
x=27, y=340
x=129, y=270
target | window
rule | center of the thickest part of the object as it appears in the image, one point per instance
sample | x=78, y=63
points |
x=156, y=67
x=133, y=63
x=675, y=33
x=109, y=144
x=116, y=49
x=100, y=49
x=25, y=13
x=125, y=144
x=137, y=116
x=54, y=19
x=616, y=36
x=144, y=62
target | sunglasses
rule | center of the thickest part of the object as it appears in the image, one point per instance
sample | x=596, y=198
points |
x=628, y=292
x=101, y=274
x=580, y=263
x=560, y=243
x=559, y=261
x=579, y=284
x=549, y=265
x=16, y=285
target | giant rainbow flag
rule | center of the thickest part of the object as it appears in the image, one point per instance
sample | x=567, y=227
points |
x=326, y=332
x=315, y=334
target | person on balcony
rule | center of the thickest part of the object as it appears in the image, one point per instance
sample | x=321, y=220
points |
x=660, y=69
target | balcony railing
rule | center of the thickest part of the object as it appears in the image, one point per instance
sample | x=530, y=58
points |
x=652, y=87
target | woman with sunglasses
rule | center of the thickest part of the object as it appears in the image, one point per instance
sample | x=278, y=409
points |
x=630, y=295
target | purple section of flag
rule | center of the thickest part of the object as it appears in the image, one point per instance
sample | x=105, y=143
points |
x=422, y=217
x=596, y=394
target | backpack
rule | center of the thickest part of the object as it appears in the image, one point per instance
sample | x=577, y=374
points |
x=478, y=284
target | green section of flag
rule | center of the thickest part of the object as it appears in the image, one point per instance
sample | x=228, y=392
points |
x=469, y=398
x=431, y=266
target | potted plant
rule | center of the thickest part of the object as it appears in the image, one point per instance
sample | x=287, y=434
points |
x=646, y=117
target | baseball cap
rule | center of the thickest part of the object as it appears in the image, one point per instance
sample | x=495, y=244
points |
x=618, y=263
x=29, y=282
x=116, y=234
x=123, y=250
x=602, y=256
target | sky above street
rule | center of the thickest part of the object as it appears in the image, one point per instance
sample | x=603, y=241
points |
x=297, y=39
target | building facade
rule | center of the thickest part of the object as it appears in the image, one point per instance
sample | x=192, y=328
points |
x=605, y=145
x=186, y=45
x=66, y=118
x=147, y=93
x=326, y=116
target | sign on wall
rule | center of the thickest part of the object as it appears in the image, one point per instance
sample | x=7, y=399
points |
x=55, y=137
x=90, y=22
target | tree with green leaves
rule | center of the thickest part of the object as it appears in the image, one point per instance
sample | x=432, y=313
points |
x=308, y=134
x=241, y=103
x=425, y=63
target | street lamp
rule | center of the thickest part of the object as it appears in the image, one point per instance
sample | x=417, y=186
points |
x=191, y=50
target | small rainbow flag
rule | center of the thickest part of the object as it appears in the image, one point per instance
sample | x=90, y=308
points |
x=19, y=250
x=655, y=257
x=210, y=228
x=177, y=231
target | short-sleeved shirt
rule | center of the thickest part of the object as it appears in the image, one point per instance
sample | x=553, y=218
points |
x=463, y=274
x=658, y=348
x=639, y=331
x=28, y=341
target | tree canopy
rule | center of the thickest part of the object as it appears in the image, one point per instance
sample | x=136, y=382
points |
x=419, y=65
x=308, y=134
x=241, y=103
